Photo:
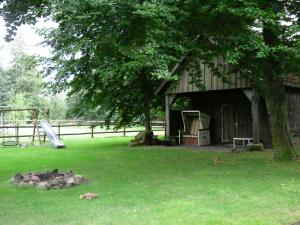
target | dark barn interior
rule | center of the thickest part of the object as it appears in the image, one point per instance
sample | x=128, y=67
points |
x=230, y=112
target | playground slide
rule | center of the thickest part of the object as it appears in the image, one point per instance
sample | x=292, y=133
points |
x=51, y=135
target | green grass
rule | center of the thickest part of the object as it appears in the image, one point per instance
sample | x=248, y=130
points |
x=150, y=185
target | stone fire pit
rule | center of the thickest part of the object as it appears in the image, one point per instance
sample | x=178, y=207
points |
x=48, y=180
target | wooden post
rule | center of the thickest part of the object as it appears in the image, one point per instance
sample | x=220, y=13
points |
x=33, y=135
x=167, y=122
x=37, y=125
x=92, y=128
x=253, y=97
x=255, y=117
x=35, y=113
x=17, y=133
x=58, y=130
x=124, y=131
x=168, y=102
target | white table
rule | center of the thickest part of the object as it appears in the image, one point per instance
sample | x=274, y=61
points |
x=248, y=140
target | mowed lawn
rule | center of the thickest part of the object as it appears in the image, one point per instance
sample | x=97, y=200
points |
x=150, y=185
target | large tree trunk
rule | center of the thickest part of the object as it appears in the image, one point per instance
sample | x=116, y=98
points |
x=148, y=128
x=147, y=91
x=277, y=108
x=276, y=99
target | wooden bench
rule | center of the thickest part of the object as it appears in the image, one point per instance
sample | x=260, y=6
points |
x=243, y=139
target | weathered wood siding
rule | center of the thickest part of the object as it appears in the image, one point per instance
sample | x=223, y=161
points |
x=294, y=111
x=210, y=82
x=293, y=97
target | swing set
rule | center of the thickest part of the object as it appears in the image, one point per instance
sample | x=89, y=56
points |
x=9, y=125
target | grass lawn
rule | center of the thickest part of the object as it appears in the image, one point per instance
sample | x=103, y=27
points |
x=148, y=185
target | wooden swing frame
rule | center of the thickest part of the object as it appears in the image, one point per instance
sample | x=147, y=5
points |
x=34, y=112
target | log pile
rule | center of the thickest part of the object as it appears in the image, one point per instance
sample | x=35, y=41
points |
x=48, y=180
x=141, y=139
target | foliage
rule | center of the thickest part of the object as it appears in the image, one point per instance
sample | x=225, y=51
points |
x=111, y=53
x=57, y=106
x=22, y=86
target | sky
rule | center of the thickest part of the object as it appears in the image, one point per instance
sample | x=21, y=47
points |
x=32, y=41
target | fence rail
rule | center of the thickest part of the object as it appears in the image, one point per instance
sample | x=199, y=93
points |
x=91, y=125
x=85, y=122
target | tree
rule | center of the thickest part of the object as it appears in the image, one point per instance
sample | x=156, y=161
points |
x=4, y=88
x=22, y=86
x=112, y=53
x=111, y=45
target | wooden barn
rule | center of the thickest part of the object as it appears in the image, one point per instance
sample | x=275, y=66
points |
x=232, y=109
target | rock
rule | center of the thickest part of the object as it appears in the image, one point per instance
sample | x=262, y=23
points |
x=22, y=184
x=43, y=185
x=25, y=184
x=18, y=178
x=78, y=179
x=57, y=181
x=12, y=181
x=35, y=178
x=57, y=187
x=54, y=182
x=27, y=178
x=70, y=182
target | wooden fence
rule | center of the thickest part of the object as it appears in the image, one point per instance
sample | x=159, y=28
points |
x=90, y=125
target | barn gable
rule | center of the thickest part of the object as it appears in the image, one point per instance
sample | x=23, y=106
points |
x=209, y=81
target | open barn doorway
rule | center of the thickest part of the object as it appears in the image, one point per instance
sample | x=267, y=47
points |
x=228, y=123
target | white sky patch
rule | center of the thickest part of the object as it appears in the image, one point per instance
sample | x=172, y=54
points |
x=31, y=39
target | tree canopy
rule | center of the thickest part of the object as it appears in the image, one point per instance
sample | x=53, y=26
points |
x=113, y=53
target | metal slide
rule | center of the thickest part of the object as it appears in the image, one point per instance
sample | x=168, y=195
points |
x=51, y=135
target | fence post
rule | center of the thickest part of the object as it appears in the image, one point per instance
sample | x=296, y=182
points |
x=17, y=133
x=92, y=128
x=59, y=130
x=44, y=137
x=124, y=130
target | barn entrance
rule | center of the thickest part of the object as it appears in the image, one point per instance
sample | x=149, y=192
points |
x=230, y=113
x=228, y=126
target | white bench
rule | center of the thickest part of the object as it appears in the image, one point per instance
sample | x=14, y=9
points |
x=248, y=140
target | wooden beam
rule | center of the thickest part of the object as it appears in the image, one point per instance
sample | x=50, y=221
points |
x=172, y=99
x=169, y=99
x=254, y=97
x=16, y=110
x=167, y=123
